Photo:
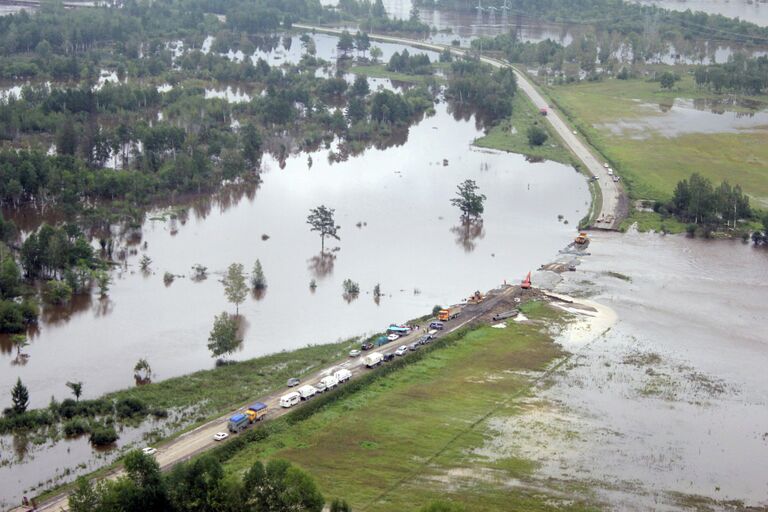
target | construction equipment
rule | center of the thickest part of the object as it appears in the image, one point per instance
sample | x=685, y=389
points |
x=582, y=238
x=475, y=298
x=526, y=282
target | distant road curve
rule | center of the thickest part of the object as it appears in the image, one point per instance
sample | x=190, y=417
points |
x=612, y=210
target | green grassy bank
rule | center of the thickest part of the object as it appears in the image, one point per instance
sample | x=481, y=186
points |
x=511, y=134
x=409, y=438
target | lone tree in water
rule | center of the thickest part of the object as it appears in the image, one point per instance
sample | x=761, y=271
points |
x=223, y=338
x=321, y=219
x=77, y=389
x=258, y=280
x=142, y=371
x=469, y=201
x=234, y=285
x=19, y=397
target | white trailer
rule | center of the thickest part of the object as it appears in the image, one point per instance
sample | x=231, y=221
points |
x=330, y=382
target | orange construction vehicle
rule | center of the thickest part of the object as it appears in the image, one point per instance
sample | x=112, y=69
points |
x=475, y=298
x=582, y=238
x=526, y=282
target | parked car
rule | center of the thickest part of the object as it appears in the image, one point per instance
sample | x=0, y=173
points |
x=220, y=436
x=401, y=350
x=149, y=450
x=388, y=357
x=413, y=346
x=423, y=340
x=354, y=353
x=367, y=345
x=328, y=382
x=436, y=325
x=393, y=337
x=293, y=381
x=432, y=332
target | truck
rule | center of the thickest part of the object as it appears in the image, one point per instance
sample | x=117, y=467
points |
x=449, y=313
x=256, y=412
x=329, y=382
x=237, y=423
x=307, y=392
x=342, y=375
x=373, y=359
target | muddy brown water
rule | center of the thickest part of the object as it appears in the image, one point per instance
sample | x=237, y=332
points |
x=407, y=241
x=672, y=400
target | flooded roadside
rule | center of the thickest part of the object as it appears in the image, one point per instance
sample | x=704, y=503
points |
x=667, y=409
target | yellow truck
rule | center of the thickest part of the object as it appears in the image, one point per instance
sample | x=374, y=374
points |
x=256, y=412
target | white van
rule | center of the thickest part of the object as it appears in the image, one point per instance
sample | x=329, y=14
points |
x=329, y=382
x=342, y=375
x=290, y=399
x=307, y=392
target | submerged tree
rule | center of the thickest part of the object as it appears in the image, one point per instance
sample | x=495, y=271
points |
x=142, y=371
x=19, y=397
x=223, y=339
x=234, y=285
x=258, y=280
x=77, y=389
x=469, y=201
x=321, y=219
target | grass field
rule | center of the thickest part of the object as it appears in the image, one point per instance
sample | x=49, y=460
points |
x=409, y=438
x=221, y=389
x=511, y=135
x=653, y=165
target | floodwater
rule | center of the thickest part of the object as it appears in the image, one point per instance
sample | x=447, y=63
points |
x=693, y=116
x=671, y=401
x=748, y=10
x=400, y=195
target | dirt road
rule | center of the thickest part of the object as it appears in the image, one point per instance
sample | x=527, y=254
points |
x=610, y=211
x=200, y=439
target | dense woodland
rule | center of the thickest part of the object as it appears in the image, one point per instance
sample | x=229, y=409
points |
x=738, y=75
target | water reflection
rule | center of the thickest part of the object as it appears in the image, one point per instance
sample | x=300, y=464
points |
x=468, y=233
x=321, y=265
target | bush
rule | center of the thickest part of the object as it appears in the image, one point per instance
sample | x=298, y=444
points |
x=11, y=317
x=130, y=408
x=29, y=420
x=537, y=136
x=57, y=292
x=436, y=309
x=88, y=408
x=76, y=427
x=103, y=435
x=350, y=287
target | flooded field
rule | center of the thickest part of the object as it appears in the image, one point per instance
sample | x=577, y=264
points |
x=754, y=11
x=670, y=403
x=692, y=116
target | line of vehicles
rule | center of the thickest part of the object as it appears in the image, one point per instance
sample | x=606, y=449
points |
x=258, y=411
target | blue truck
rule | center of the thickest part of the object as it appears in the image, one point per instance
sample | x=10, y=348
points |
x=238, y=423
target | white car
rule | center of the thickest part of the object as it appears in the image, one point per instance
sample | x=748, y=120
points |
x=606, y=165
x=354, y=353
x=401, y=350
x=393, y=337
x=149, y=450
x=220, y=436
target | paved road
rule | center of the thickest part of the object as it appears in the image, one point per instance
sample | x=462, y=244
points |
x=610, y=213
x=200, y=439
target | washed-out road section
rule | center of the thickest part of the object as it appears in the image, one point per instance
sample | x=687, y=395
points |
x=610, y=212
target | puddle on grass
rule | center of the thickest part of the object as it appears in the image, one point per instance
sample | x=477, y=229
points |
x=685, y=116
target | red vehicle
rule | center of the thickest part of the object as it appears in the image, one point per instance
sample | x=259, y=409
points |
x=543, y=111
x=526, y=282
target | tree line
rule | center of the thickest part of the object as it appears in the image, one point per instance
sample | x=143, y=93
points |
x=697, y=201
x=489, y=90
x=739, y=75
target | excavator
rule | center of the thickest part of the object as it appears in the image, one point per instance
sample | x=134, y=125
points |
x=581, y=239
x=526, y=282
